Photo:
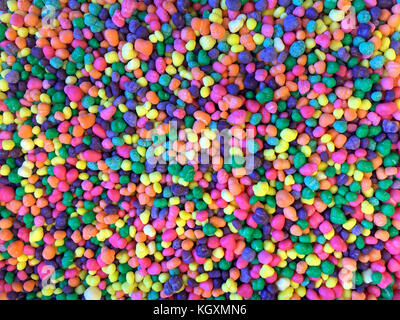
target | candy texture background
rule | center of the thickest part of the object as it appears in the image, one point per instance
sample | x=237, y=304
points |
x=300, y=202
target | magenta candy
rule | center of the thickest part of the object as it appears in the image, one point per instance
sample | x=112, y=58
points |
x=6, y=194
x=74, y=93
x=338, y=244
x=339, y=156
x=265, y=257
x=386, y=109
x=278, y=222
x=245, y=291
x=393, y=245
x=60, y=171
x=91, y=155
x=326, y=293
x=169, y=235
x=237, y=117
x=308, y=169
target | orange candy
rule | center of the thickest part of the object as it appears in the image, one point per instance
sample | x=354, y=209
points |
x=16, y=248
x=284, y=199
x=143, y=46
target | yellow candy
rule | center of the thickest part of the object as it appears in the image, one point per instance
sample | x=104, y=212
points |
x=288, y=134
x=207, y=42
x=190, y=45
x=251, y=24
x=36, y=234
x=266, y=271
x=390, y=54
x=111, y=57
x=128, y=51
x=261, y=189
x=141, y=250
x=7, y=144
x=177, y=58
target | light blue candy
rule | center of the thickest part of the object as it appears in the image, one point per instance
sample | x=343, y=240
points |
x=297, y=48
x=396, y=35
x=377, y=62
x=366, y=48
x=268, y=42
x=278, y=31
x=56, y=62
x=273, y=141
x=363, y=16
x=311, y=26
x=312, y=183
x=376, y=96
x=92, y=165
x=358, y=40
x=114, y=163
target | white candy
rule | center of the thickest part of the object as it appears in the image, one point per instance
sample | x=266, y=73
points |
x=367, y=276
x=283, y=284
x=279, y=45
x=336, y=15
x=92, y=293
x=237, y=24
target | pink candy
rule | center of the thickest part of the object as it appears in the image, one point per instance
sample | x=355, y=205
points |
x=308, y=169
x=386, y=109
x=6, y=194
x=74, y=93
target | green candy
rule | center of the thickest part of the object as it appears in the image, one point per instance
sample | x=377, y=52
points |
x=313, y=272
x=384, y=147
x=303, y=248
x=326, y=196
x=78, y=54
x=391, y=160
x=187, y=173
x=376, y=277
x=258, y=284
x=209, y=230
x=88, y=217
x=362, y=131
x=13, y=104
x=265, y=95
x=88, y=101
x=337, y=216
x=3, y=29
x=74, y=223
x=160, y=203
x=382, y=195
x=118, y=125
x=287, y=272
x=28, y=220
x=137, y=167
x=303, y=224
x=360, y=244
x=327, y=267
x=197, y=192
x=332, y=67
x=388, y=209
x=9, y=277
x=299, y=160
x=365, y=166
x=364, y=85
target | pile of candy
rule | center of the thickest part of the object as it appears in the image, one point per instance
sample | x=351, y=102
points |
x=106, y=108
